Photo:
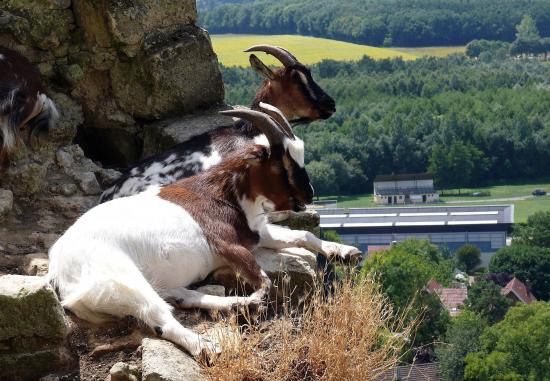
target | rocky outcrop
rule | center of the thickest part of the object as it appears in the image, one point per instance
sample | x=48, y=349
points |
x=160, y=136
x=125, y=62
x=33, y=329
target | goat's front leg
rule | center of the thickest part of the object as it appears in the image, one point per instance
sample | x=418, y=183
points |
x=278, y=237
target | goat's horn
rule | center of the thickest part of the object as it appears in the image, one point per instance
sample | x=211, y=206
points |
x=263, y=122
x=276, y=114
x=283, y=55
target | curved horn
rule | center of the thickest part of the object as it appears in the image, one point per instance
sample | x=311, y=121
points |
x=276, y=114
x=261, y=121
x=286, y=58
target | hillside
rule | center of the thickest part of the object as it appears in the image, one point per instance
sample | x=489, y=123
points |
x=377, y=22
x=312, y=50
x=468, y=121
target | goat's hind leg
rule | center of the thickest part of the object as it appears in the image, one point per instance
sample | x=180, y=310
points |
x=185, y=298
x=114, y=297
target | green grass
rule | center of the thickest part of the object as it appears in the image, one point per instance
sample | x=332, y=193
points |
x=523, y=208
x=309, y=50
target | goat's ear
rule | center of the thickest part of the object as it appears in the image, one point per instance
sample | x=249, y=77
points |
x=257, y=154
x=261, y=68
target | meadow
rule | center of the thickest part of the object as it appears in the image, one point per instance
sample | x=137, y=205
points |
x=310, y=50
x=517, y=194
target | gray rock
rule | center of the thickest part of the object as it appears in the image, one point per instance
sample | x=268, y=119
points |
x=292, y=271
x=108, y=176
x=167, y=78
x=297, y=221
x=212, y=289
x=88, y=183
x=124, y=372
x=131, y=22
x=67, y=189
x=26, y=178
x=159, y=137
x=36, y=264
x=33, y=328
x=6, y=202
x=164, y=361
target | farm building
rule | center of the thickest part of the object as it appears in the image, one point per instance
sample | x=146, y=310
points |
x=449, y=227
x=415, y=188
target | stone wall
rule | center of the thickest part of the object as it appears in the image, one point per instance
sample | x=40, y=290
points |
x=126, y=62
x=116, y=69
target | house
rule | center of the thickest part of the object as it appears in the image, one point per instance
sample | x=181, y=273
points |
x=448, y=227
x=413, y=188
x=451, y=298
x=517, y=291
x=412, y=372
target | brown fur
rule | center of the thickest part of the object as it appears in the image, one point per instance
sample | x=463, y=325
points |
x=287, y=95
x=212, y=199
x=16, y=72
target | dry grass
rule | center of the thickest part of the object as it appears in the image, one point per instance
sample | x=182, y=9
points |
x=351, y=335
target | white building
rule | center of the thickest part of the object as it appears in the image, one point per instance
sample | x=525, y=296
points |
x=414, y=188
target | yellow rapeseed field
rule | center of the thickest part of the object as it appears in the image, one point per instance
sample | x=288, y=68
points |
x=310, y=50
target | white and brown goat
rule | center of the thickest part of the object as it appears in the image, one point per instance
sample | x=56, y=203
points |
x=293, y=90
x=129, y=255
x=24, y=105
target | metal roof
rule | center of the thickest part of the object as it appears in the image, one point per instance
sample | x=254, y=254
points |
x=404, y=191
x=417, y=216
x=404, y=177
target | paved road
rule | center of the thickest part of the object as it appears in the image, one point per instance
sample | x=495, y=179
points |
x=517, y=198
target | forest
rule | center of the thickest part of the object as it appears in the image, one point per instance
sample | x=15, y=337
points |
x=466, y=120
x=378, y=22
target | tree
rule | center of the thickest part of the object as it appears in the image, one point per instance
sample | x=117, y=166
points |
x=468, y=257
x=485, y=299
x=455, y=166
x=530, y=264
x=403, y=272
x=462, y=337
x=536, y=232
x=527, y=29
x=322, y=177
x=514, y=349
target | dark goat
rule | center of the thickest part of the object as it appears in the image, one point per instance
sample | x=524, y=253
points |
x=23, y=102
x=290, y=89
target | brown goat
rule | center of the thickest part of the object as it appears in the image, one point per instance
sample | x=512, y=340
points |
x=23, y=102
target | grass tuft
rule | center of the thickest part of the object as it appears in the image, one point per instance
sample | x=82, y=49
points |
x=352, y=335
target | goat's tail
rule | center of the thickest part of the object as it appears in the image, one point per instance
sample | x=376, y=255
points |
x=15, y=111
x=47, y=117
x=12, y=104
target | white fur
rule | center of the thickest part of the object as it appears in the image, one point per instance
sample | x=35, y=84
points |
x=255, y=211
x=119, y=256
x=49, y=106
x=261, y=140
x=278, y=237
x=296, y=150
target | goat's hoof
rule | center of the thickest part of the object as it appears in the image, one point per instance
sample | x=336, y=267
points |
x=343, y=253
x=208, y=351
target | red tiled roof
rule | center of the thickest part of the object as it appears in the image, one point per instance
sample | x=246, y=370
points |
x=452, y=297
x=519, y=289
x=433, y=286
